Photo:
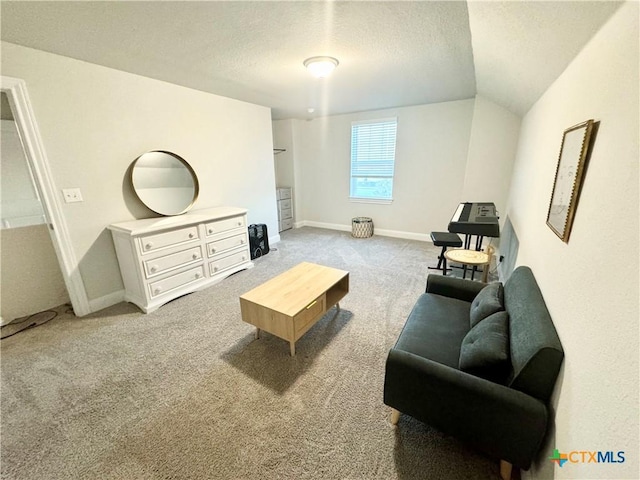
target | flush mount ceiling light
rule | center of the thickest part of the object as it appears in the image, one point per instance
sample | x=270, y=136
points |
x=320, y=66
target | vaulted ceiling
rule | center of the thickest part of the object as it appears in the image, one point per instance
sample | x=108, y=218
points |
x=391, y=54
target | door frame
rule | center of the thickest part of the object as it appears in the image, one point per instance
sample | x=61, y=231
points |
x=16, y=91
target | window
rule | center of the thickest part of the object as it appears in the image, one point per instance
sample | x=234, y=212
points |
x=373, y=152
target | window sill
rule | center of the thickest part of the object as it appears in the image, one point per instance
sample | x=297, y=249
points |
x=378, y=201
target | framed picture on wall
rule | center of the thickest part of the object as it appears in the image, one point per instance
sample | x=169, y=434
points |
x=568, y=179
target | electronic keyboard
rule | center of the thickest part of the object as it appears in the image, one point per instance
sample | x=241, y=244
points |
x=475, y=219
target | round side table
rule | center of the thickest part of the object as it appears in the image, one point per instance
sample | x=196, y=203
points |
x=470, y=258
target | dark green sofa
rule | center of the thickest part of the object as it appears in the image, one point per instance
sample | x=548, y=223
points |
x=505, y=417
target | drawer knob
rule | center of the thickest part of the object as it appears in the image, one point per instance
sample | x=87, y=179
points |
x=148, y=245
x=241, y=241
x=154, y=269
x=210, y=230
x=191, y=235
x=215, y=269
x=243, y=257
x=239, y=223
x=213, y=250
x=157, y=290
x=195, y=256
x=198, y=275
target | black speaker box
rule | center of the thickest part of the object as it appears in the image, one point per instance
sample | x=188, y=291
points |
x=258, y=240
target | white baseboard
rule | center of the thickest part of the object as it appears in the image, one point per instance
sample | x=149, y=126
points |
x=423, y=237
x=328, y=226
x=106, y=301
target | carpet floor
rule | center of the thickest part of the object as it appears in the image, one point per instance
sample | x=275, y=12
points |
x=187, y=392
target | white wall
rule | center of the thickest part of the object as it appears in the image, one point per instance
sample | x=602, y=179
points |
x=590, y=284
x=446, y=153
x=431, y=155
x=492, y=151
x=95, y=121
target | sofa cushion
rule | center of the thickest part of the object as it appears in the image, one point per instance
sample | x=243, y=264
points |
x=485, y=349
x=488, y=301
x=435, y=329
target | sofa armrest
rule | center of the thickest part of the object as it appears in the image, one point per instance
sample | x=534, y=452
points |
x=453, y=287
x=504, y=423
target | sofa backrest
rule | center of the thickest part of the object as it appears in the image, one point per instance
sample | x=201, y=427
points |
x=536, y=351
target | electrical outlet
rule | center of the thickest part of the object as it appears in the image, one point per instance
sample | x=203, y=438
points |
x=72, y=195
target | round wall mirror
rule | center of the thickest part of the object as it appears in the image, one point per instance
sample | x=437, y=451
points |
x=164, y=182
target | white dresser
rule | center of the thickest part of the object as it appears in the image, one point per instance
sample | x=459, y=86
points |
x=285, y=208
x=163, y=258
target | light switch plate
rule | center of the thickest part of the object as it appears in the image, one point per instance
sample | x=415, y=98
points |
x=72, y=195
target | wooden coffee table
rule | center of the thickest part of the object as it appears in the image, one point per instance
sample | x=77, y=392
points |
x=288, y=305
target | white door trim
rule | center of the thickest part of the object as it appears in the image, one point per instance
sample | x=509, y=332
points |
x=16, y=91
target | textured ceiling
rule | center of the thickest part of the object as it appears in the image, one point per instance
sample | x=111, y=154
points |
x=520, y=48
x=391, y=53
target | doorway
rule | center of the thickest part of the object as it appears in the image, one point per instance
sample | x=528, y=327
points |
x=30, y=278
x=44, y=191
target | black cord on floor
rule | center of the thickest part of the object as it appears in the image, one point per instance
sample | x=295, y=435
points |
x=18, y=321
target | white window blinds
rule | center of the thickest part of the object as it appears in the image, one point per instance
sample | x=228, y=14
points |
x=373, y=151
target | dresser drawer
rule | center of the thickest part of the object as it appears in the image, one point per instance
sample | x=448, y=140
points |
x=224, y=225
x=286, y=224
x=170, y=283
x=283, y=193
x=220, y=246
x=284, y=214
x=229, y=261
x=168, y=262
x=284, y=204
x=151, y=243
x=307, y=316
